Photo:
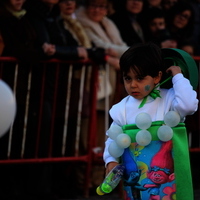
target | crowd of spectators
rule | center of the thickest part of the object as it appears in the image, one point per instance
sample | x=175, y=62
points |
x=134, y=19
x=169, y=23
x=100, y=30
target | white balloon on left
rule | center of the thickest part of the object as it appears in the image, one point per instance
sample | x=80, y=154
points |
x=7, y=107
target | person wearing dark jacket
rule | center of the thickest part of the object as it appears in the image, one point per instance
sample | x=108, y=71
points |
x=56, y=42
x=127, y=20
x=18, y=34
x=19, y=41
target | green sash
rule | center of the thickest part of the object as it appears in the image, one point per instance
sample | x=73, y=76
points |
x=184, y=188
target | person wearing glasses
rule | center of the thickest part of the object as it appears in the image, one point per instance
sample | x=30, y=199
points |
x=180, y=22
x=101, y=30
x=103, y=33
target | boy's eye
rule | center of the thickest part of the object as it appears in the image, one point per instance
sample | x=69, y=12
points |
x=127, y=78
x=139, y=78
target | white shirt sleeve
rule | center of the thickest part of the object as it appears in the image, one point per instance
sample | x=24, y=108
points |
x=106, y=156
x=185, y=100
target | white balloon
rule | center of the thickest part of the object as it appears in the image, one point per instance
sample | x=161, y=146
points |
x=143, y=137
x=115, y=150
x=114, y=131
x=143, y=121
x=123, y=140
x=172, y=118
x=165, y=133
x=7, y=107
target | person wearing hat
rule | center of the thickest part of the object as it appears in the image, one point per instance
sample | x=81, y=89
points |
x=161, y=87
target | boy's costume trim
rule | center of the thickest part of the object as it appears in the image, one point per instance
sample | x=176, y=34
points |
x=183, y=180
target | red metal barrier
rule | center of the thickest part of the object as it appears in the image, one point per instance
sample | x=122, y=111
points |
x=57, y=102
x=61, y=89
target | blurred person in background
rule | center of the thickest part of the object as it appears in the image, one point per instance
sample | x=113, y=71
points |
x=167, y=4
x=111, y=8
x=128, y=20
x=62, y=37
x=19, y=40
x=17, y=32
x=74, y=34
x=44, y=23
x=196, y=34
x=180, y=22
x=188, y=47
x=152, y=4
x=58, y=42
x=103, y=33
x=155, y=28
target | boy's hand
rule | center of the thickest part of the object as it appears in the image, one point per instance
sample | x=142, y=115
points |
x=110, y=166
x=173, y=70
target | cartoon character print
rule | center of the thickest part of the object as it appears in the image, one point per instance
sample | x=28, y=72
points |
x=131, y=176
x=161, y=170
x=136, y=149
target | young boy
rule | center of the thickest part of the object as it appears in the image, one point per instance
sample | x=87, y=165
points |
x=158, y=164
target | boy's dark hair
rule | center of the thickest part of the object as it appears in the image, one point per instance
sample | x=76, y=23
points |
x=144, y=59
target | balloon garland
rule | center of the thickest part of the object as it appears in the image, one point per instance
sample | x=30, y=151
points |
x=143, y=137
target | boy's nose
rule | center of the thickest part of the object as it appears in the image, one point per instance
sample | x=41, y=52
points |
x=133, y=83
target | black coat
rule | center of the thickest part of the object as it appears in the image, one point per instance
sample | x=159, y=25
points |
x=124, y=24
x=48, y=30
x=19, y=37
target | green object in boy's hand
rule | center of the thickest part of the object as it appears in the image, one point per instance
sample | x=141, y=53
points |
x=111, y=180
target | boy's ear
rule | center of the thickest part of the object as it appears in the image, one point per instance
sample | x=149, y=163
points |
x=158, y=78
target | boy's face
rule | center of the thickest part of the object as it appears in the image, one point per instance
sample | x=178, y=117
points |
x=139, y=87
